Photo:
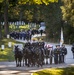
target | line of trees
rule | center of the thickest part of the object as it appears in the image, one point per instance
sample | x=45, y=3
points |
x=55, y=13
x=7, y=5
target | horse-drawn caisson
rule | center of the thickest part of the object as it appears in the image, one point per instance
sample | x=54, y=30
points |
x=32, y=54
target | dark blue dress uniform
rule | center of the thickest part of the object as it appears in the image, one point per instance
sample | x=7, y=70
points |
x=51, y=56
x=56, y=54
x=63, y=52
x=20, y=35
x=60, y=55
x=72, y=49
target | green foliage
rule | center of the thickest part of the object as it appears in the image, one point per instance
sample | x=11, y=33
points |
x=56, y=71
x=12, y=3
x=53, y=19
x=68, y=11
x=46, y=2
x=43, y=10
x=68, y=34
x=7, y=54
x=1, y=1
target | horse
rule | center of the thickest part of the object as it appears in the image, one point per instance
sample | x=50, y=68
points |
x=38, y=56
x=18, y=56
x=27, y=55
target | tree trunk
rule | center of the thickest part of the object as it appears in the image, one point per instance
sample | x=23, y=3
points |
x=0, y=30
x=21, y=15
x=6, y=26
x=0, y=23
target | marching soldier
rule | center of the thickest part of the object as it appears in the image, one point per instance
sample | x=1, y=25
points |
x=51, y=54
x=48, y=53
x=60, y=56
x=72, y=49
x=64, y=52
x=56, y=54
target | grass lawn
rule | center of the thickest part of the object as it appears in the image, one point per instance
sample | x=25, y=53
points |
x=7, y=54
x=56, y=71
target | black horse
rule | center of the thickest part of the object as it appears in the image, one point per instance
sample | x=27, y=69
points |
x=39, y=57
x=18, y=56
x=27, y=56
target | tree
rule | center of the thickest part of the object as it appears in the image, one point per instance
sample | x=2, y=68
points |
x=8, y=3
x=0, y=20
x=53, y=18
x=6, y=26
x=5, y=7
x=68, y=11
x=1, y=1
x=46, y=2
x=68, y=18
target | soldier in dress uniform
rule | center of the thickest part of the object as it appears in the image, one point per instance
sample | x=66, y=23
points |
x=51, y=53
x=20, y=35
x=64, y=52
x=47, y=53
x=60, y=56
x=72, y=49
x=56, y=54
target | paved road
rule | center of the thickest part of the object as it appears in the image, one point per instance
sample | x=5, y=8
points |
x=8, y=68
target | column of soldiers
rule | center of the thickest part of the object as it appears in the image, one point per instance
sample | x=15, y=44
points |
x=59, y=54
x=23, y=34
x=20, y=35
